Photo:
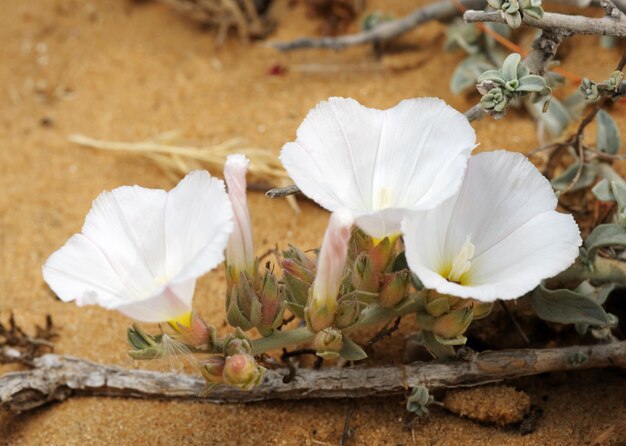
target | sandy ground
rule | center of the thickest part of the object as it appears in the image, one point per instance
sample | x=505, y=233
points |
x=119, y=70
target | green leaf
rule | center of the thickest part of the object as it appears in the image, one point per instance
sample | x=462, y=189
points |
x=556, y=118
x=619, y=192
x=509, y=67
x=602, y=191
x=567, y=307
x=532, y=82
x=607, y=136
x=604, y=236
x=352, y=351
x=492, y=75
x=587, y=177
x=467, y=72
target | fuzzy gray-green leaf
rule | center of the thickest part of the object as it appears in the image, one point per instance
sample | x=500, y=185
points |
x=604, y=236
x=607, y=136
x=532, y=82
x=586, y=179
x=567, y=307
x=352, y=351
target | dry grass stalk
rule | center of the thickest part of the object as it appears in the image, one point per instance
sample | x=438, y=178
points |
x=265, y=169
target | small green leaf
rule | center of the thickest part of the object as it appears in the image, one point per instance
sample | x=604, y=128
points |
x=467, y=72
x=619, y=192
x=587, y=177
x=607, y=136
x=555, y=119
x=352, y=351
x=531, y=82
x=567, y=307
x=604, y=236
x=602, y=191
x=509, y=67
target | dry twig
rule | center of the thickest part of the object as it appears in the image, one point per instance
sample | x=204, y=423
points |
x=56, y=378
x=440, y=10
x=566, y=24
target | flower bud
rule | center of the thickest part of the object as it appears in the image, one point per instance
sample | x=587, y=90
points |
x=453, y=324
x=243, y=305
x=240, y=251
x=322, y=302
x=199, y=334
x=359, y=242
x=394, y=288
x=348, y=311
x=363, y=276
x=236, y=344
x=212, y=369
x=437, y=305
x=481, y=310
x=298, y=275
x=242, y=371
x=328, y=343
x=272, y=304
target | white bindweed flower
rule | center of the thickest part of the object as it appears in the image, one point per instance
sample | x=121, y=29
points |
x=140, y=250
x=324, y=291
x=380, y=163
x=497, y=238
x=240, y=250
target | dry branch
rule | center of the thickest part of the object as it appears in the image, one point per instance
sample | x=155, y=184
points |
x=56, y=377
x=566, y=24
x=440, y=10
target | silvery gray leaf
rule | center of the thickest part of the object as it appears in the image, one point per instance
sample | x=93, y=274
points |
x=567, y=307
x=607, y=135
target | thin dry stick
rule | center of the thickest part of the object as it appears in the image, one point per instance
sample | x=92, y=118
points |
x=567, y=24
x=441, y=10
x=56, y=377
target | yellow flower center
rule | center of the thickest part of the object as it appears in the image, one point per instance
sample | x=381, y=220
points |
x=182, y=320
x=460, y=264
x=384, y=198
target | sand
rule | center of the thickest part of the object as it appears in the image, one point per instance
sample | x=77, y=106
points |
x=122, y=70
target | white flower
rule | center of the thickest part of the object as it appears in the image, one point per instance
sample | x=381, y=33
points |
x=497, y=238
x=380, y=163
x=330, y=266
x=141, y=250
x=240, y=250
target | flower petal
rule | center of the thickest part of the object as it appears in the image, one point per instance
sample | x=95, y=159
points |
x=167, y=304
x=198, y=221
x=80, y=271
x=411, y=156
x=506, y=208
x=537, y=250
x=127, y=226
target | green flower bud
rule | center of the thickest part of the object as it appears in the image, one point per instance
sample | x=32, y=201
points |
x=212, y=369
x=394, y=288
x=237, y=343
x=272, y=304
x=359, y=242
x=453, y=324
x=438, y=305
x=348, y=311
x=328, y=343
x=481, y=310
x=242, y=371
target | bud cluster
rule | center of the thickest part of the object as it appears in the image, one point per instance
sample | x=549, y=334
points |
x=254, y=300
x=236, y=368
x=448, y=316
